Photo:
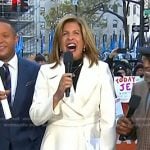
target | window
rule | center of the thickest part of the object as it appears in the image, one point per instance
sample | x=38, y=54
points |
x=42, y=10
x=105, y=37
x=115, y=8
x=129, y=11
x=42, y=25
x=115, y=22
x=134, y=9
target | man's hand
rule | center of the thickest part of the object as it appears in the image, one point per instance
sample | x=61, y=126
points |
x=3, y=94
x=124, y=126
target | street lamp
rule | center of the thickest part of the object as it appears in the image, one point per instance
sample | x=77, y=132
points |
x=141, y=33
x=75, y=3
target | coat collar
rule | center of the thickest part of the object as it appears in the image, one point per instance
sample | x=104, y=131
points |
x=87, y=81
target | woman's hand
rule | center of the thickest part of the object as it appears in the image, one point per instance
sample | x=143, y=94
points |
x=65, y=83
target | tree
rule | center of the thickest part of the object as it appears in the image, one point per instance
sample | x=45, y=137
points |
x=108, y=8
x=56, y=12
x=92, y=11
x=59, y=10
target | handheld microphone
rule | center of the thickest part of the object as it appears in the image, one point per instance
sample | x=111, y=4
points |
x=4, y=102
x=133, y=104
x=68, y=60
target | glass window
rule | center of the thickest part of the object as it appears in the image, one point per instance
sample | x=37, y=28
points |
x=115, y=22
x=129, y=11
x=134, y=9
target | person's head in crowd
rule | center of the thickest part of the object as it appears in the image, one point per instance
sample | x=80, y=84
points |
x=128, y=67
x=39, y=58
x=31, y=57
x=145, y=52
x=120, y=70
x=138, y=70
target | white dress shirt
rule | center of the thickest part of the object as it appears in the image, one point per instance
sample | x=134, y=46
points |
x=13, y=68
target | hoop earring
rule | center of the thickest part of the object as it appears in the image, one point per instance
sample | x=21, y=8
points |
x=60, y=52
x=84, y=49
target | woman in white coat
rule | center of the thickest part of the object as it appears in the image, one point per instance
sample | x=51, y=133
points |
x=85, y=120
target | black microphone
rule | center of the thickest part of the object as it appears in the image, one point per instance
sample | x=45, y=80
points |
x=133, y=104
x=68, y=60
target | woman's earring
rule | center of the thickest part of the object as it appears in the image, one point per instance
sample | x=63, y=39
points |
x=60, y=51
x=83, y=49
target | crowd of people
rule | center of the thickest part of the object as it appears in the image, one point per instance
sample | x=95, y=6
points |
x=44, y=117
x=124, y=67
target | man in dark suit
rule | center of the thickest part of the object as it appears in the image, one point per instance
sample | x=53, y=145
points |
x=138, y=126
x=18, y=132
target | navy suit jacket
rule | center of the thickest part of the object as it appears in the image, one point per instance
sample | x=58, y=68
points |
x=19, y=132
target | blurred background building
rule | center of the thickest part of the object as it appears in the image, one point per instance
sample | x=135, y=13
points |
x=28, y=16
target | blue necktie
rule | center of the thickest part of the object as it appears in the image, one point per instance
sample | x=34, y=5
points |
x=148, y=102
x=7, y=81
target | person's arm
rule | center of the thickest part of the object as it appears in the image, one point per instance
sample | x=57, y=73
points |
x=109, y=59
x=41, y=109
x=46, y=103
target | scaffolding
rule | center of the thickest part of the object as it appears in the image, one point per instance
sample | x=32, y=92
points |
x=25, y=23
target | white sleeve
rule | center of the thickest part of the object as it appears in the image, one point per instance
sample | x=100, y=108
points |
x=107, y=110
x=41, y=109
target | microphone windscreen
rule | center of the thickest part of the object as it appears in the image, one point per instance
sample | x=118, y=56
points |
x=134, y=101
x=133, y=104
x=68, y=60
x=68, y=57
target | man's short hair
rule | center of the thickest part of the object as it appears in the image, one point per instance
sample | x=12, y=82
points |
x=3, y=20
